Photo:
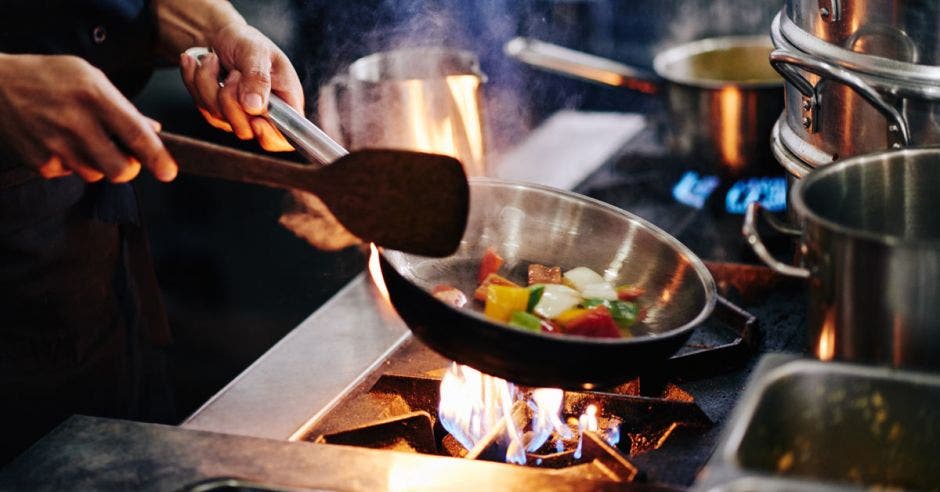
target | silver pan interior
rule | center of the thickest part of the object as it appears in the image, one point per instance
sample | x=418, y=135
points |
x=533, y=224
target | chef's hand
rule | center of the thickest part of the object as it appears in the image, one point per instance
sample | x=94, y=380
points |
x=307, y=217
x=255, y=67
x=61, y=115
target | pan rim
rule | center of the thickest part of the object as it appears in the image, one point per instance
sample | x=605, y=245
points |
x=708, y=282
x=664, y=60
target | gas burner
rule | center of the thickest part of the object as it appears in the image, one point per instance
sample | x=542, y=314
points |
x=645, y=422
x=694, y=190
x=398, y=409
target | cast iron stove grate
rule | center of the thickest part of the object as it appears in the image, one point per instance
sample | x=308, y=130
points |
x=396, y=408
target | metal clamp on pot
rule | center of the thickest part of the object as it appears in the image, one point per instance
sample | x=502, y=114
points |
x=786, y=64
x=858, y=80
x=870, y=246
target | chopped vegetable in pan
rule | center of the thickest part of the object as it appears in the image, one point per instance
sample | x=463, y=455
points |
x=576, y=302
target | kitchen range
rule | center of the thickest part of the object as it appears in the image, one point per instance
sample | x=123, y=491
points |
x=755, y=389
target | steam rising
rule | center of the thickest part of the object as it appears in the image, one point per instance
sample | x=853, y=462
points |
x=325, y=37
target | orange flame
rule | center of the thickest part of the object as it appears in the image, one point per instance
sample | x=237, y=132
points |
x=730, y=101
x=375, y=271
x=826, y=345
x=457, y=133
x=473, y=404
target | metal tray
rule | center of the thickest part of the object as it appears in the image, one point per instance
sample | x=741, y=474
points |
x=809, y=425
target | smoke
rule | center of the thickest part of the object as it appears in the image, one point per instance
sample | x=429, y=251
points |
x=697, y=19
x=324, y=37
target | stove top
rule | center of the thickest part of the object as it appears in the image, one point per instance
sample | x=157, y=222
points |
x=351, y=374
x=670, y=419
x=697, y=205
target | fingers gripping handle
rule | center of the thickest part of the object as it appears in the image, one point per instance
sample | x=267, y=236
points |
x=309, y=140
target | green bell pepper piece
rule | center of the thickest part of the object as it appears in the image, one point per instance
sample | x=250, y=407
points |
x=525, y=321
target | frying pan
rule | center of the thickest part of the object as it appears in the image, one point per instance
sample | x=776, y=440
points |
x=528, y=223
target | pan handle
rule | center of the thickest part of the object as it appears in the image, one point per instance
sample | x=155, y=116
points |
x=309, y=140
x=787, y=64
x=749, y=230
x=566, y=61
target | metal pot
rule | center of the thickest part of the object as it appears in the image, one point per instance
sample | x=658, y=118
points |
x=870, y=247
x=722, y=96
x=534, y=224
x=901, y=30
x=842, y=103
x=423, y=99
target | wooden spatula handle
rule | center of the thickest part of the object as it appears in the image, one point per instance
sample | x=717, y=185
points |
x=216, y=161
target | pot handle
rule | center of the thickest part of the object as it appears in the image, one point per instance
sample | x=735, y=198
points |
x=749, y=230
x=785, y=62
x=574, y=63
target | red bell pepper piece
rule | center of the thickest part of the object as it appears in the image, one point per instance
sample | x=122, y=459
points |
x=596, y=322
x=629, y=292
x=489, y=264
x=548, y=326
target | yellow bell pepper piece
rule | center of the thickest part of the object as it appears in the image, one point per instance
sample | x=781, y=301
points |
x=571, y=314
x=503, y=300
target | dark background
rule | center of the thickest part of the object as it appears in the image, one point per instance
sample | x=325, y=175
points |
x=235, y=282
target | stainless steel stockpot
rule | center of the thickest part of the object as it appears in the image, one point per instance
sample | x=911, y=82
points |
x=870, y=247
x=902, y=30
x=847, y=98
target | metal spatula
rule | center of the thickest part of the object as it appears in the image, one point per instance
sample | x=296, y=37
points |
x=408, y=201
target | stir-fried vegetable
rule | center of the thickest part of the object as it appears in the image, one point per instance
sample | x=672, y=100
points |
x=594, y=322
x=589, y=283
x=629, y=292
x=450, y=294
x=526, y=321
x=541, y=274
x=577, y=302
x=623, y=312
x=556, y=299
x=502, y=301
x=491, y=279
x=489, y=264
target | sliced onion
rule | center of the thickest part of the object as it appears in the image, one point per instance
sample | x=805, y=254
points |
x=555, y=300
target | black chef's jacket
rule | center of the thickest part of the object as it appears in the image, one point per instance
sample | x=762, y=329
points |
x=81, y=320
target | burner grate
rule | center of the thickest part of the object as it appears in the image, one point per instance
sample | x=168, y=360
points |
x=667, y=418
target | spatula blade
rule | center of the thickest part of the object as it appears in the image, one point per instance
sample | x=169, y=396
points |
x=403, y=200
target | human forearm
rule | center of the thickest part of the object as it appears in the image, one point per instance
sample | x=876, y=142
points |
x=183, y=24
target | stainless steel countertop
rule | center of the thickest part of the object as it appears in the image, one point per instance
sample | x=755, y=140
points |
x=305, y=374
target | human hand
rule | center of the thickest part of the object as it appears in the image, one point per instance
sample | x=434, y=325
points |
x=256, y=66
x=61, y=115
x=306, y=216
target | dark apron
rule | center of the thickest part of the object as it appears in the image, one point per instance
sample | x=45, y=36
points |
x=81, y=319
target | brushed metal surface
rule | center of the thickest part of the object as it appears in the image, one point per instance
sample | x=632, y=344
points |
x=808, y=425
x=843, y=123
x=904, y=30
x=90, y=454
x=304, y=374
